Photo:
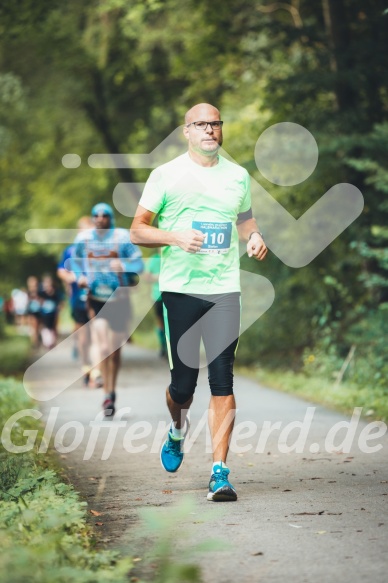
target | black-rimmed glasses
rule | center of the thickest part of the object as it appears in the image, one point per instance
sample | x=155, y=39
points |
x=202, y=125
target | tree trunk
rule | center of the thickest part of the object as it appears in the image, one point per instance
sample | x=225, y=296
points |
x=338, y=31
x=97, y=112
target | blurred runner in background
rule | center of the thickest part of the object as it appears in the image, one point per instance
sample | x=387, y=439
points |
x=19, y=302
x=34, y=310
x=78, y=306
x=108, y=263
x=51, y=298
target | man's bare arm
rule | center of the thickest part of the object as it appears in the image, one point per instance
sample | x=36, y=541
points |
x=144, y=233
x=66, y=276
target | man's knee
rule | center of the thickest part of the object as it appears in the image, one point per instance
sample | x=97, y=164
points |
x=182, y=394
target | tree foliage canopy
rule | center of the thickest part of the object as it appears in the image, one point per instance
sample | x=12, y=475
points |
x=117, y=76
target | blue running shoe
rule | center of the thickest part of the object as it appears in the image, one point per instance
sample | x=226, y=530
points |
x=171, y=454
x=220, y=489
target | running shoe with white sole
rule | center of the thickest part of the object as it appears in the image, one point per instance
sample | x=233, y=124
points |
x=220, y=489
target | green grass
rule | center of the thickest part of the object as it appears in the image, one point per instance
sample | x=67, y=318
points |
x=342, y=398
x=44, y=533
x=145, y=339
x=15, y=352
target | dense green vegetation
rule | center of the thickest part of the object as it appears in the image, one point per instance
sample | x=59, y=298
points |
x=43, y=528
x=117, y=76
x=15, y=352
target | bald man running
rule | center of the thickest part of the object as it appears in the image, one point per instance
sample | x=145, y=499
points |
x=204, y=207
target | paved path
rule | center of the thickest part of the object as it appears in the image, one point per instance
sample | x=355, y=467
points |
x=300, y=517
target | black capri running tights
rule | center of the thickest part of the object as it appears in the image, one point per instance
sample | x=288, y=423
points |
x=216, y=319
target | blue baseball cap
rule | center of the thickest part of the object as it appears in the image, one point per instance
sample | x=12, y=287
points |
x=104, y=208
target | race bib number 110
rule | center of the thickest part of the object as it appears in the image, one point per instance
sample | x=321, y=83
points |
x=217, y=237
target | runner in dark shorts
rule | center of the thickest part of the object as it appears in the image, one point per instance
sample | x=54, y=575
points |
x=108, y=264
x=203, y=204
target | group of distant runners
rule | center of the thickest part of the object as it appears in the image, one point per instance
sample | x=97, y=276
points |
x=36, y=308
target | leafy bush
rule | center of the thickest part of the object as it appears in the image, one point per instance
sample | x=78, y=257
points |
x=43, y=531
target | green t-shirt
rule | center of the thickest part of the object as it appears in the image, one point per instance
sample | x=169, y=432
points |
x=189, y=196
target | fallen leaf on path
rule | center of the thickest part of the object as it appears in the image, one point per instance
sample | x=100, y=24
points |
x=287, y=490
x=321, y=532
x=307, y=513
x=259, y=554
x=166, y=491
x=315, y=459
x=99, y=523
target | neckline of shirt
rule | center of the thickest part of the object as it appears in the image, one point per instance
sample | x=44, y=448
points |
x=206, y=168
